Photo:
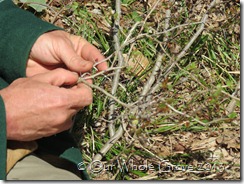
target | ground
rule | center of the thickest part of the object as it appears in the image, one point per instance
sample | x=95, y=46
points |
x=189, y=127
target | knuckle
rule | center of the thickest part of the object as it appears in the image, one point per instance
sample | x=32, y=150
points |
x=87, y=65
x=74, y=59
x=60, y=70
x=62, y=77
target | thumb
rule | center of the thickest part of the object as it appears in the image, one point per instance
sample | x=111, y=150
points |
x=58, y=77
x=73, y=61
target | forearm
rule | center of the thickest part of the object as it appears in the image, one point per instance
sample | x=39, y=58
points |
x=19, y=30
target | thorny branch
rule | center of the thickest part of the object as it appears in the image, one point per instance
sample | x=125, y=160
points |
x=158, y=63
x=163, y=75
x=105, y=92
x=231, y=106
x=153, y=83
x=117, y=47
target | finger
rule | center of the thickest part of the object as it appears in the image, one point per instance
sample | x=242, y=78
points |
x=88, y=51
x=91, y=53
x=80, y=96
x=72, y=60
x=58, y=77
x=34, y=68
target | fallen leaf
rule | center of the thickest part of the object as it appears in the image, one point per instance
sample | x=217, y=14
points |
x=179, y=147
x=209, y=144
x=137, y=62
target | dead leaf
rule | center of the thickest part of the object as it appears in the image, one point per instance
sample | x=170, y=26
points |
x=209, y=144
x=137, y=62
x=233, y=144
x=174, y=48
x=179, y=148
x=162, y=151
x=229, y=139
x=222, y=155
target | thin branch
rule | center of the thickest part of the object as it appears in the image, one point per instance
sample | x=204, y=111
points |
x=186, y=115
x=159, y=59
x=148, y=15
x=107, y=147
x=231, y=96
x=102, y=61
x=218, y=120
x=105, y=92
x=56, y=15
x=231, y=106
x=157, y=33
x=184, y=51
x=153, y=75
x=98, y=73
x=130, y=33
x=117, y=47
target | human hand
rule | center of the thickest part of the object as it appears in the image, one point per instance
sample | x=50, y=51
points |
x=40, y=106
x=57, y=49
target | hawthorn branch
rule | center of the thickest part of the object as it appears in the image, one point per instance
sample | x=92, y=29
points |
x=159, y=59
x=156, y=34
x=231, y=106
x=148, y=15
x=184, y=114
x=105, y=92
x=98, y=74
x=107, y=147
x=184, y=51
x=133, y=109
x=120, y=58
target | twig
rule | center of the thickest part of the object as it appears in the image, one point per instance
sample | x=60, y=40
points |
x=160, y=56
x=99, y=73
x=130, y=33
x=104, y=60
x=186, y=115
x=105, y=92
x=144, y=22
x=107, y=146
x=56, y=15
x=149, y=177
x=117, y=47
x=231, y=106
x=157, y=33
x=184, y=51
x=218, y=120
x=93, y=141
x=153, y=75
x=231, y=96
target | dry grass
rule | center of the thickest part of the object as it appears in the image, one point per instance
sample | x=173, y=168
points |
x=191, y=125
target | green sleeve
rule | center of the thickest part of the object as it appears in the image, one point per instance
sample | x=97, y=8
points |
x=19, y=30
x=3, y=149
x=3, y=141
